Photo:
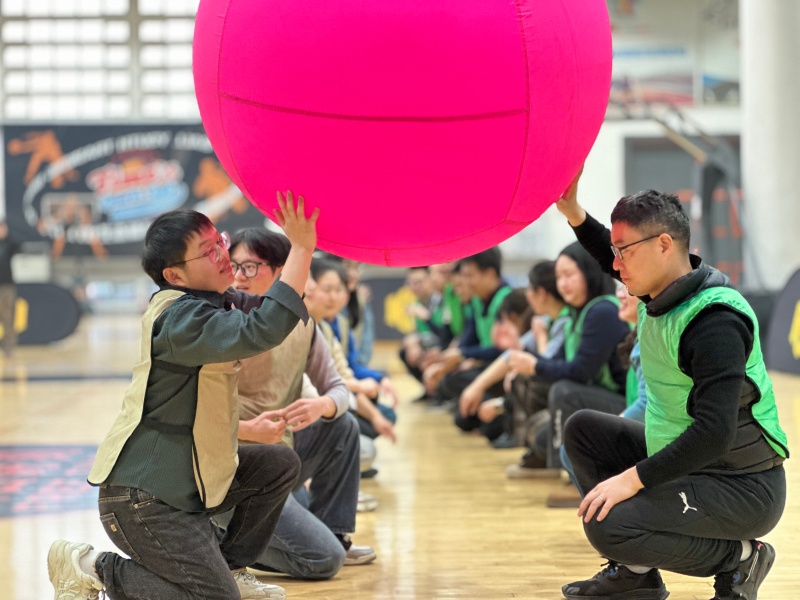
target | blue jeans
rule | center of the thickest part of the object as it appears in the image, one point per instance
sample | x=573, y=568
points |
x=566, y=464
x=304, y=544
x=176, y=555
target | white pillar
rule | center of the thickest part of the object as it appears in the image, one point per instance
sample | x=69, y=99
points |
x=770, y=140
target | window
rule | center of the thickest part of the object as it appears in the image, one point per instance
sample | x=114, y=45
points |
x=75, y=59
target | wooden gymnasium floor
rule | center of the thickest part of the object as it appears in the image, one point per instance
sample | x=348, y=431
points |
x=450, y=525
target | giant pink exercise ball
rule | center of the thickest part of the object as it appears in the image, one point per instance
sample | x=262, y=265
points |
x=426, y=130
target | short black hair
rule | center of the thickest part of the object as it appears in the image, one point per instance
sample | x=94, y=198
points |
x=320, y=266
x=488, y=259
x=166, y=240
x=515, y=303
x=653, y=213
x=268, y=245
x=543, y=275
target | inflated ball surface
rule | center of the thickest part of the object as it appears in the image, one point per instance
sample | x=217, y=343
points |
x=425, y=131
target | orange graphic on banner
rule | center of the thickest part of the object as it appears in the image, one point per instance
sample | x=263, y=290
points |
x=220, y=194
x=44, y=148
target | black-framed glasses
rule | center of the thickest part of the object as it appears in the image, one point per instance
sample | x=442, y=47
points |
x=617, y=252
x=249, y=267
x=214, y=253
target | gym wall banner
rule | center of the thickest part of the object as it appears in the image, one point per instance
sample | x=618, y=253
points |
x=390, y=301
x=783, y=343
x=43, y=313
x=94, y=189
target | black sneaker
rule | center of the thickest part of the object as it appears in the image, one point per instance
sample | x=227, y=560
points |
x=504, y=440
x=743, y=582
x=617, y=582
x=533, y=459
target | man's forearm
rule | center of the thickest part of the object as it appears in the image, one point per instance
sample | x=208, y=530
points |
x=596, y=239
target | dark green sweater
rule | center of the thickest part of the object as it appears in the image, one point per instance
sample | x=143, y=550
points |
x=199, y=328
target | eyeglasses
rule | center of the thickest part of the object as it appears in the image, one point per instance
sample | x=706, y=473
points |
x=617, y=252
x=249, y=267
x=214, y=253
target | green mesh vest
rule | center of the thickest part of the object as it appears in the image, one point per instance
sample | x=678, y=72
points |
x=452, y=310
x=668, y=387
x=573, y=332
x=484, y=322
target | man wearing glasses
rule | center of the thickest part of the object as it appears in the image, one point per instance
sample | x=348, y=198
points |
x=691, y=489
x=311, y=539
x=172, y=459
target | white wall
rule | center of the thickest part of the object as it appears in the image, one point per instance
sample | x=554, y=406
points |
x=770, y=147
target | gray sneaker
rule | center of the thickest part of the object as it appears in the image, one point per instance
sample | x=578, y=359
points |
x=251, y=588
x=69, y=580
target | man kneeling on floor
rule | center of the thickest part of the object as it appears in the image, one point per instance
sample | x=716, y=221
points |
x=171, y=459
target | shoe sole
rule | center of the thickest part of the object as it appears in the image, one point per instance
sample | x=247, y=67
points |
x=361, y=560
x=56, y=561
x=272, y=596
x=659, y=594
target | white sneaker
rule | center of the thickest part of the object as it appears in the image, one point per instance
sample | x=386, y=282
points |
x=252, y=588
x=366, y=502
x=68, y=579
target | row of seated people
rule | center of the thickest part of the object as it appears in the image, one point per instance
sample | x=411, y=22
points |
x=522, y=361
